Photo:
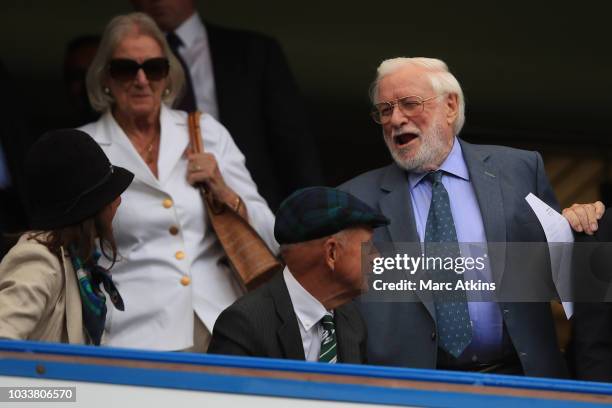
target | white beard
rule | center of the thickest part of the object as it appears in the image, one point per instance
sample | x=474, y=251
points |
x=430, y=154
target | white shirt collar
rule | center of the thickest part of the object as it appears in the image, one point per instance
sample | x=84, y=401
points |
x=191, y=30
x=308, y=309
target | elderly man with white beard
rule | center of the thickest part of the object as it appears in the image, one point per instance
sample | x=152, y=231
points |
x=443, y=189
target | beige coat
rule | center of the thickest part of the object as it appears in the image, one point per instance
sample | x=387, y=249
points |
x=39, y=296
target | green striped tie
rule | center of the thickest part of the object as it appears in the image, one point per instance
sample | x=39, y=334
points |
x=329, y=353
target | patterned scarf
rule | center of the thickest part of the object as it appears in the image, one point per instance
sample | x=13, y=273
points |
x=93, y=300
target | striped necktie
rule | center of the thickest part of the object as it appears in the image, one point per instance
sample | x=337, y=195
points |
x=452, y=314
x=329, y=352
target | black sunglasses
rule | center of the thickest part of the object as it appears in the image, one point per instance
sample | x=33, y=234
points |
x=123, y=69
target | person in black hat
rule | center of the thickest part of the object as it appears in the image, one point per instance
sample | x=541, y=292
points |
x=50, y=283
x=305, y=313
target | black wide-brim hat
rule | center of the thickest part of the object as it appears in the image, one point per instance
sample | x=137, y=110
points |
x=69, y=179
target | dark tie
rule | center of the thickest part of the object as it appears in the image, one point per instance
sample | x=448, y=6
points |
x=452, y=315
x=329, y=352
x=187, y=102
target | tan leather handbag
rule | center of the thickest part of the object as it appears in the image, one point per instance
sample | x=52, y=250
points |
x=248, y=255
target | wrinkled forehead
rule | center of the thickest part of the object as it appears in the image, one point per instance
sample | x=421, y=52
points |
x=407, y=81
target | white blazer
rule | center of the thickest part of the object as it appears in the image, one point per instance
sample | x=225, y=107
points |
x=164, y=275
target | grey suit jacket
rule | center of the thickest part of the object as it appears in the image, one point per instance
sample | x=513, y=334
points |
x=263, y=324
x=404, y=333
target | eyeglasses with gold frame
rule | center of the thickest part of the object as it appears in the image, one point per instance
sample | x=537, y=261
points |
x=410, y=106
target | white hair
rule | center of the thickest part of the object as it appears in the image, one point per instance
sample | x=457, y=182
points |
x=441, y=79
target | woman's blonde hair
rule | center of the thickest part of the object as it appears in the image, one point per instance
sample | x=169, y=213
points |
x=116, y=30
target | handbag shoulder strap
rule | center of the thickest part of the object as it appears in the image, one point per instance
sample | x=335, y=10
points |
x=197, y=146
x=195, y=133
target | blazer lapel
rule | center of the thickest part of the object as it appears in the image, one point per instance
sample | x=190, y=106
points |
x=485, y=178
x=288, y=333
x=397, y=206
x=74, y=312
x=121, y=151
x=347, y=339
x=174, y=140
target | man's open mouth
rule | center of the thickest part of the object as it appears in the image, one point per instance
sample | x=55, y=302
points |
x=404, y=138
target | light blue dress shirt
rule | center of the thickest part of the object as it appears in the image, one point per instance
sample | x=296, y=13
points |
x=487, y=323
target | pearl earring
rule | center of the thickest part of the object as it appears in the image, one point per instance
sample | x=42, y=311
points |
x=106, y=90
x=166, y=91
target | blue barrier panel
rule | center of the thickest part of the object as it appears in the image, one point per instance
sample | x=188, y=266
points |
x=290, y=379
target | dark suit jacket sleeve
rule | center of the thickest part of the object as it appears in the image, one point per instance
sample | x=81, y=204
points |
x=289, y=126
x=593, y=321
x=593, y=341
x=545, y=191
x=232, y=334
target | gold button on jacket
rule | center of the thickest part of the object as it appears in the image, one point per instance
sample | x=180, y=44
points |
x=167, y=203
x=185, y=280
x=179, y=255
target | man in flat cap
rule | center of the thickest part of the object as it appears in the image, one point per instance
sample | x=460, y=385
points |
x=305, y=312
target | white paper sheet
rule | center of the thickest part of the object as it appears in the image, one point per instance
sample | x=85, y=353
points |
x=558, y=233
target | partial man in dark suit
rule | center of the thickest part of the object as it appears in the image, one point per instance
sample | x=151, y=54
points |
x=14, y=144
x=305, y=312
x=442, y=189
x=592, y=351
x=79, y=54
x=243, y=79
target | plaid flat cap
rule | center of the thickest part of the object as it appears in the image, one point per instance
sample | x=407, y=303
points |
x=316, y=212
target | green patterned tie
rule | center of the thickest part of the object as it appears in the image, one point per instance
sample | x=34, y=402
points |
x=329, y=353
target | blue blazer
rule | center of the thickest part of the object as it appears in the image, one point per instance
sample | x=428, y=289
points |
x=404, y=333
